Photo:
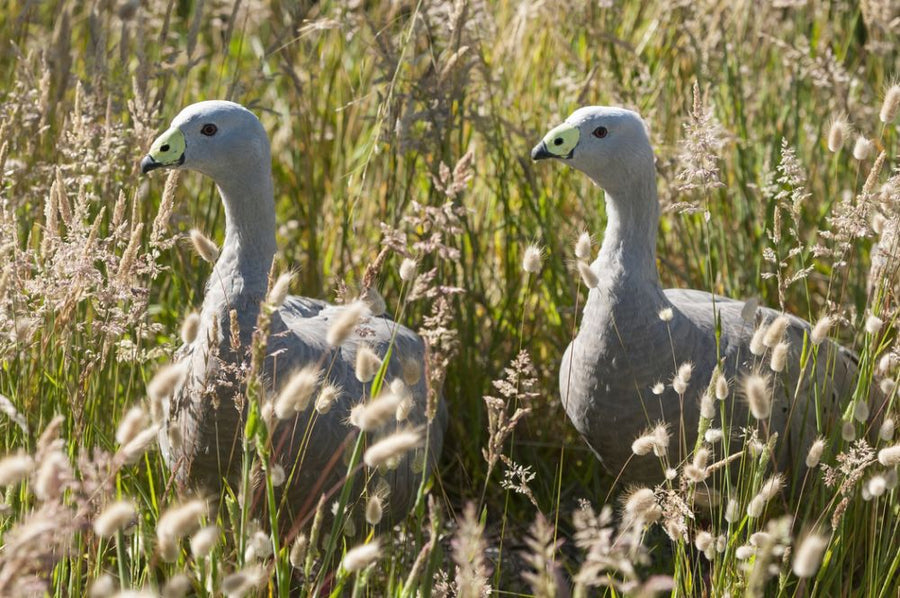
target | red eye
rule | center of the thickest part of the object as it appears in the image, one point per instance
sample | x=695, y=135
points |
x=209, y=129
x=600, y=132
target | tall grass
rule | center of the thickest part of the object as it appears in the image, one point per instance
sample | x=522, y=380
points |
x=415, y=117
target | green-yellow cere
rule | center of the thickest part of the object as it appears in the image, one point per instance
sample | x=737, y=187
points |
x=562, y=140
x=168, y=147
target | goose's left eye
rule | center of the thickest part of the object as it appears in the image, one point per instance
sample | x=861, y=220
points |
x=600, y=132
x=209, y=129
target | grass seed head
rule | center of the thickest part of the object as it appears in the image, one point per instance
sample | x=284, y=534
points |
x=345, y=323
x=891, y=104
x=190, y=327
x=531, y=260
x=15, y=468
x=377, y=412
x=721, y=387
x=390, y=449
x=279, y=290
x=360, y=557
x=408, y=269
x=296, y=394
x=583, y=246
x=837, y=134
x=874, y=324
x=815, y=452
x=643, y=445
x=820, y=331
x=137, y=446
x=641, y=505
x=204, y=247
x=114, y=517
x=707, y=407
x=177, y=587
x=756, y=389
x=298, y=551
x=861, y=411
x=713, y=435
x=775, y=331
x=757, y=347
x=808, y=556
x=367, y=364
x=329, y=394
x=848, y=431
x=779, y=356
x=666, y=314
x=132, y=423
x=374, y=510
x=203, y=541
x=163, y=384
x=588, y=276
x=863, y=148
x=886, y=431
x=890, y=456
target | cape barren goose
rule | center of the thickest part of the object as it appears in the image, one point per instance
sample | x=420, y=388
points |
x=203, y=419
x=626, y=370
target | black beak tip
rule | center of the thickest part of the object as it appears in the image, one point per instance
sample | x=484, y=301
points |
x=148, y=164
x=540, y=152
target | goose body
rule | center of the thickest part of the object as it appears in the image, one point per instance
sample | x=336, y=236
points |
x=203, y=420
x=624, y=348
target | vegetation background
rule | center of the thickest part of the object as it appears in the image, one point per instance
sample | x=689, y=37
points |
x=381, y=115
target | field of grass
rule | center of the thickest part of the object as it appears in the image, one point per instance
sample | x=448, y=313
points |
x=414, y=119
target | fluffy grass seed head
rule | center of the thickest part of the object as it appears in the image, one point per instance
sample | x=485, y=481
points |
x=132, y=423
x=757, y=347
x=177, y=586
x=756, y=389
x=666, y=314
x=820, y=331
x=204, y=247
x=114, y=517
x=861, y=411
x=408, y=268
x=367, y=364
x=240, y=583
x=643, y=445
x=837, y=134
x=770, y=488
x=815, y=452
x=203, y=541
x=298, y=551
x=775, y=331
x=346, y=322
x=15, y=468
x=377, y=412
x=713, y=435
x=163, y=384
x=588, y=276
x=279, y=291
x=808, y=557
x=583, y=246
x=707, y=407
x=891, y=104
x=890, y=456
x=682, y=377
x=328, y=396
x=886, y=431
x=360, y=557
x=190, y=327
x=863, y=148
x=874, y=324
x=389, y=450
x=137, y=446
x=779, y=356
x=531, y=260
x=177, y=522
x=374, y=510
x=296, y=394
x=641, y=505
x=848, y=431
x=721, y=387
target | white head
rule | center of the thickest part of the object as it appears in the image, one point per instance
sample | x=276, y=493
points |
x=610, y=145
x=220, y=139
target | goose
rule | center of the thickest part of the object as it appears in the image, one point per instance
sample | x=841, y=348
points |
x=634, y=337
x=203, y=418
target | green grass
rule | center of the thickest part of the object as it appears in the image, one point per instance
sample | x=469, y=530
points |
x=364, y=105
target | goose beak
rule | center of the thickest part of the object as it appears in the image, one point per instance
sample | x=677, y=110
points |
x=540, y=152
x=558, y=143
x=167, y=150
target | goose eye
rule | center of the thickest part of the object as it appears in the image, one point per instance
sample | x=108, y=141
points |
x=209, y=129
x=600, y=132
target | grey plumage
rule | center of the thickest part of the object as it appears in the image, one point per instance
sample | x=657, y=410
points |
x=624, y=348
x=203, y=421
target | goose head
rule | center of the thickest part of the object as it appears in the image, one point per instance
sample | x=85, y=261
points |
x=609, y=145
x=217, y=138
